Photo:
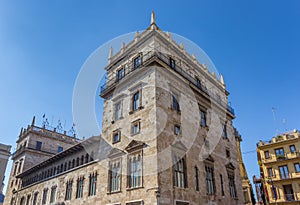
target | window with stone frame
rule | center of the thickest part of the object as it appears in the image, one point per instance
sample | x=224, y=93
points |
x=116, y=137
x=53, y=194
x=22, y=201
x=267, y=154
x=79, y=190
x=180, y=171
x=137, y=61
x=45, y=194
x=93, y=184
x=232, y=187
x=135, y=166
x=28, y=199
x=175, y=103
x=118, y=110
x=210, y=179
x=120, y=73
x=270, y=172
x=172, y=63
x=198, y=82
x=35, y=198
x=136, y=100
x=177, y=130
x=203, y=118
x=69, y=190
x=135, y=127
x=224, y=131
x=297, y=168
x=114, y=175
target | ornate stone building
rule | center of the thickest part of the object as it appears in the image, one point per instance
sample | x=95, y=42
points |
x=167, y=137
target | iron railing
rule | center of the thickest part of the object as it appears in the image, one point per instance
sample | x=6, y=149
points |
x=130, y=68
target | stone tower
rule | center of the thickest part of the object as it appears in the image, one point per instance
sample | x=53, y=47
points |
x=35, y=145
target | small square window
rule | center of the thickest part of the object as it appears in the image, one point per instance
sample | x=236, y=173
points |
x=116, y=136
x=137, y=62
x=177, y=130
x=172, y=63
x=267, y=155
x=297, y=167
x=135, y=128
x=292, y=149
x=120, y=74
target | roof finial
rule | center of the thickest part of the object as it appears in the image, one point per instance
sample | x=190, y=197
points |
x=222, y=79
x=33, y=121
x=152, y=18
x=111, y=52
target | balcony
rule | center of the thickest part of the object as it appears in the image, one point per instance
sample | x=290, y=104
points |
x=285, y=156
x=149, y=57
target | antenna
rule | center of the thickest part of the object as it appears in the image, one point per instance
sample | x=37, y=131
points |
x=274, y=117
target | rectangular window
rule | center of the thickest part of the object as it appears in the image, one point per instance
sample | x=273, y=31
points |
x=292, y=149
x=69, y=190
x=172, y=63
x=210, y=180
x=93, y=184
x=136, y=101
x=196, y=178
x=20, y=166
x=79, y=191
x=53, y=194
x=270, y=172
x=267, y=155
x=222, y=185
x=177, y=130
x=118, y=110
x=198, y=83
x=35, y=197
x=279, y=153
x=45, y=193
x=137, y=62
x=297, y=167
x=28, y=199
x=224, y=132
x=135, y=128
x=60, y=149
x=175, y=103
x=232, y=187
x=120, y=74
x=38, y=145
x=180, y=176
x=135, y=170
x=116, y=136
x=284, y=172
x=115, y=176
x=203, y=118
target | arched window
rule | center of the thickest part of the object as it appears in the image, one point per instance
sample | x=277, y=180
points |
x=77, y=161
x=82, y=160
x=86, y=158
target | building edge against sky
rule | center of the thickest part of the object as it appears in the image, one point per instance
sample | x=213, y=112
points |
x=4, y=156
x=279, y=164
x=118, y=169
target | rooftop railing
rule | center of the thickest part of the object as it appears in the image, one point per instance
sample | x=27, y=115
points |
x=130, y=67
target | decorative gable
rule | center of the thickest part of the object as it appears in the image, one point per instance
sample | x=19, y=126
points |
x=135, y=145
x=114, y=152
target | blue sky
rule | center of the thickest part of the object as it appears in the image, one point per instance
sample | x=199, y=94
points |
x=254, y=44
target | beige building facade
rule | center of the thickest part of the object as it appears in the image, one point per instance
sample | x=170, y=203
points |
x=167, y=137
x=279, y=162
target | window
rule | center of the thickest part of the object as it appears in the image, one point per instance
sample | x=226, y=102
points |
x=22, y=201
x=115, y=176
x=137, y=62
x=224, y=133
x=227, y=153
x=180, y=177
x=297, y=167
x=175, y=104
x=28, y=199
x=203, y=118
x=270, y=172
x=15, y=168
x=120, y=74
x=116, y=136
x=69, y=190
x=292, y=149
x=222, y=185
x=45, y=193
x=172, y=63
x=53, y=194
x=232, y=188
x=177, y=130
x=196, y=178
x=118, y=110
x=79, y=191
x=60, y=149
x=38, y=145
x=210, y=180
x=93, y=184
x=274, y=192
x=198, y=83
x=35, y=197
x=279, y=153
x=181, y=203
x=136, y=101
x=135, y=170
x=135, y=127
x=267, y=155
x=20, y=166
x=284, y=172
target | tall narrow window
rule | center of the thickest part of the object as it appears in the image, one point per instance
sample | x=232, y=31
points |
x=69, y=190
x=198, y=82
x=22, y=201
x=292, y=149
x=93, y=184
x=297, y=167
x=115, y=176
x=118, y=110
x=45, y=193
x=222, y=185
x=120, y=74
x=175, y=104
x=20, y=166
x=196, y=178
x=136, y=101
x=79, y=190
x=135, y=127
x=177, y=130
x=53, y=194
x=270, y=172
x=284, y=172
x=135, y=171
x=180, y=177
x=267, y=155
x=35, y=197
x=210, y=180
x=232, y=187
x=224, y=132
x=28, y=199
x=137, y=62
x=38, y=145
x=172, y=63
x=203, y=118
